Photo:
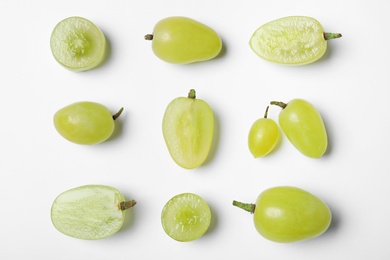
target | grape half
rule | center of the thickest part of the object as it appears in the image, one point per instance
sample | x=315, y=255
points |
x=288, y=214
x=90, y=212
x=303, y=125
x=186, y=217
x=182, y=40
x=78, y=44
x=293, y=40
x=85, y=122
x=188, y=127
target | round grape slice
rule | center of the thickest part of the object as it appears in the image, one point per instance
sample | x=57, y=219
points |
x=78, y=44
x=186, y=217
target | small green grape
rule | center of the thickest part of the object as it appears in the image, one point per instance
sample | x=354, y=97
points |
x=182, y=40
x=90, y=212
x=85, y=122
x=186, y=217
x=78, y=44
x=263, y=136
x=303, y=125
x=293, y=40
x=288, y=214
x=188, y=128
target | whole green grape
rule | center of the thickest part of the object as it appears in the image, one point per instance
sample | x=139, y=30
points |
x=90, y=212
x=78, y=44
x=182, y=40
x=188, y=128
x=85, y=122
x=303, y=125
x=186, y=217
x=288, y=214
x=293, y=40
x=263, y=136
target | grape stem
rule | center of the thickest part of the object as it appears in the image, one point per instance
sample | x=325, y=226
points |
x=279, y=103
x=117, y=114
x=192, y=94
x=330, y=36
x=266, y=112
x=124, y=205
x=149, y=37
x=250, y=207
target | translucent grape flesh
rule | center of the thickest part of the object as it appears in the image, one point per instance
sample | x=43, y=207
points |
x=289, y=214
x=188, y=127
x=186, y=217
x=88, y=212
x=182, y=40
x=78, y=44
x=263, y=137
x=84, y=123
x=294, y=40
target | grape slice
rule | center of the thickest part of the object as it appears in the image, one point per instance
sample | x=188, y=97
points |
x=186, y=217
x=90, y=212
x=78, y=44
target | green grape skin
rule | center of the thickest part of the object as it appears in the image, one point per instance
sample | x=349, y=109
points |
x=90, y=212
x=301, y=122
x=288, y=214
x=85, y=122
x=292, y=40
x=182, y=40
x=78, y=44
x=186, y=217
x=188, y=128
x=263, y=136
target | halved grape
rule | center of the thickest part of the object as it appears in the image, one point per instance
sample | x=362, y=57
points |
x=90, y=212
x=288, y=214
x=182, y=40
x=293, y=40
x=78, y=44
x=186, y=217
x=85, y=122
x=188, y=128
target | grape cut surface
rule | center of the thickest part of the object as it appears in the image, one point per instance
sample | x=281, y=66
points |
x=78, y=44
x=186, y=217
x=89, y=212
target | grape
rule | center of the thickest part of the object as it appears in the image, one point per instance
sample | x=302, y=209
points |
x=303, y=126
x=288, y=214
x=188, y=126
x=85, y=122
x=78, y=44
x=90, y=212
x=263, y=136
x=182, y=40
x=293, y=40
x=186, y=217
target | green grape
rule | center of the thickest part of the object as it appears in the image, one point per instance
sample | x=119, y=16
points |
x=182, y=40
x=186, y=217
x=303, y=125
x=293, y=40
x=288, y=214
x=85, y=122
x=263, y=136
x=90, y=212
x=188, y=127
x=78, y=44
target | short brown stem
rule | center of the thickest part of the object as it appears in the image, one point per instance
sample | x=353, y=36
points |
x=149, y=37
x=124, y=205
x=117, y=114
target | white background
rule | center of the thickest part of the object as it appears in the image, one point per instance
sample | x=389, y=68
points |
x=349, y=86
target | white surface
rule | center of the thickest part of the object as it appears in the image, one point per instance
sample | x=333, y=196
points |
x=349, y=86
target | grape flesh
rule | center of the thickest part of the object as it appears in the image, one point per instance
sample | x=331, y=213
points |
x=186, y=217
x=84, y=122
x=263, y=136
x=288, y=214
x=78, y=44
x=303, y=125
x=181, y=40
x=293, y=40
x=188, y=126
x=89, y=212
